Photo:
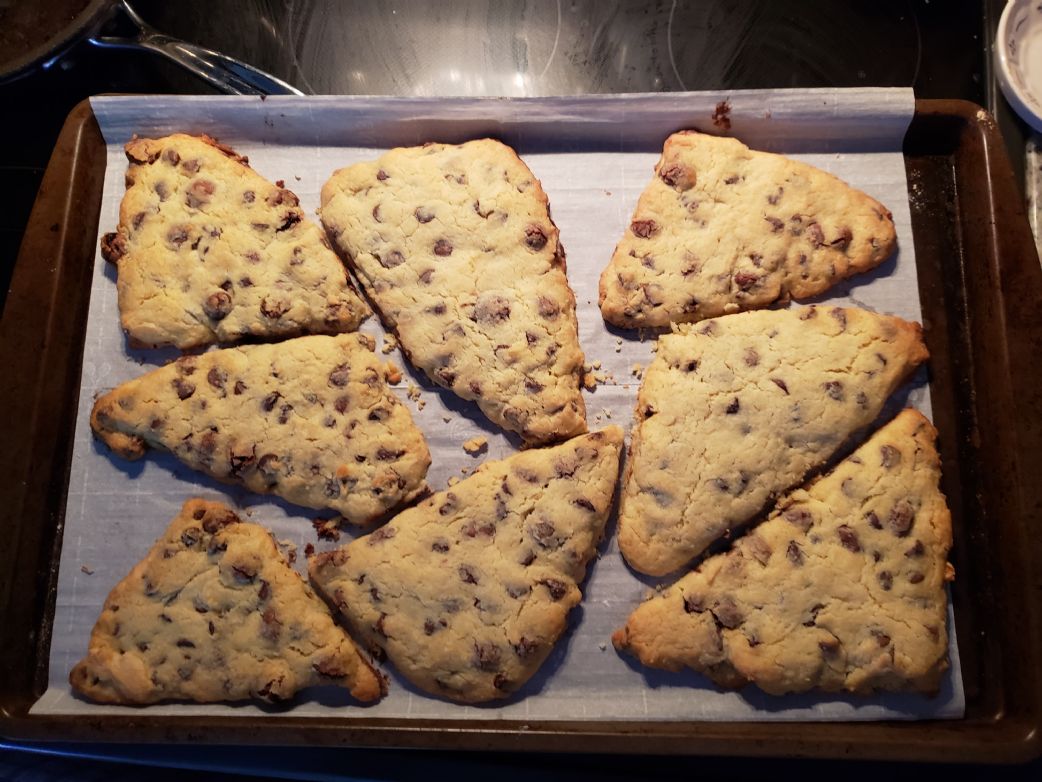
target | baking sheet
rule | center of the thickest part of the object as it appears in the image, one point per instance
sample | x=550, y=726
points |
x=594, y=155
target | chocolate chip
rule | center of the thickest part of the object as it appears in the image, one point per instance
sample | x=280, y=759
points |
x=184, y=388
x=269, y=402
x=391, y=260
x=834, y=390
x=732, y=180
x=177, y=235
x=284, y=412
x=491, y=309
x=423, y=214
x=248, y=196
x=557, y=589
x=901, y=517
x=544, y=533
x=217, y=305
x=727, y=612
x=199, y=193
x=192, y=535
x=733, y=407
x=443, y=248
x=582, y=502
x=171, y=156
x=382, y=534
x=548, y=308
x=886, y=580
x=890, y=455
x=916, y=577
x=340, y=376
x=814, y=231
x=466, y=574
x=776, y=224
x=535, y=237
x=773, y=199
x=917, y=550
x=525, y=648
x=794, y=553
x=842, y=242
x=441, y=545
x=694, y=604
x=382, y=175
x=746, y=280
x=677, y=176
x=881, y=638
x=848, y=538
x=239, y=387
x=274, y=307
x=644, y=228
x=426, y=275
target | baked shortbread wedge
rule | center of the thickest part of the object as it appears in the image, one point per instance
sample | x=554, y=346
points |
x=214, y=613
x=722, y=228
x=456, y=248
x=842, y=588
x=310, y=419
x=467, y=592
x=208, y=250
x=739, y=409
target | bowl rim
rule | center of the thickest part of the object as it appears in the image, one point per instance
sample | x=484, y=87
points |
x=1019, y=97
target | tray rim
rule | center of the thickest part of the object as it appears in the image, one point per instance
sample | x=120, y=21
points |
x=1007, y=739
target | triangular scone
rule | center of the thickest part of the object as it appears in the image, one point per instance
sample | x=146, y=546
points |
x=722, y=228
x=310, y=420
x=468, y=592
x=456, y=248
x=214, y=613
x=842, y=588
x=208, y=251
x=740, y=409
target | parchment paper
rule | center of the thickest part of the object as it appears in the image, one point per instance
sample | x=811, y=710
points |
x=594, y=155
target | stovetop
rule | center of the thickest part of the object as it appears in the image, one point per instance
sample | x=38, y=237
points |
x=533, y=47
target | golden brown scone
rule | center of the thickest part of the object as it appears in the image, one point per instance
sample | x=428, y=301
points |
x=456, y=248
x=741, y=408
x=310, y=420
x=841, y=589
x=214, y=613
x=722, y=228
x=208, y=250
x=468, y=592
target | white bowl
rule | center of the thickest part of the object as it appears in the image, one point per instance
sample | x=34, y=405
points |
x=1018, y=58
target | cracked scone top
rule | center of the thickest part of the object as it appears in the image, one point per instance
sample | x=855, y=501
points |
x=842, y=588
x=741, y=408
x=214, y=613
x=456, y=248
x=467, y=592
x=721, y=228
x=310, y=420
x=207, y=250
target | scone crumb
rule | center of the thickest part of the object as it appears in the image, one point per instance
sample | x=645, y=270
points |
x=392, y=374
x=602, y=646
x=327, y=529
x=476, y=445
x=446, y=418
x=390, y=344
x=414, y=392
x=290, y=549
x=309, y=550
x=596, y=364
x=637, y=370
x=453, y=480
x=607, y=413
x=589, y=382
x=88, y=570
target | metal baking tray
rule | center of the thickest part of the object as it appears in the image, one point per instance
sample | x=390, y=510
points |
x=981, y=289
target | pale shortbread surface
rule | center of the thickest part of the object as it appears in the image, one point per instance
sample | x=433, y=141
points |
x=722, y=228
x=842, y=588
x=208, y=250
x=456, y=248
x=215, y=613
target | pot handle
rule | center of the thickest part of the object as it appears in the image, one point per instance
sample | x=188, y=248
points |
x=225, y=73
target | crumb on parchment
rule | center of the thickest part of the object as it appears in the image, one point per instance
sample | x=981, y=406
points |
x=476, y=445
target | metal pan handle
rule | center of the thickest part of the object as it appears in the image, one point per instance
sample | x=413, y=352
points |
x=225, y=73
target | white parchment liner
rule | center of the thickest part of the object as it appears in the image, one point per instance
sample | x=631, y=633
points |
x=594, y=155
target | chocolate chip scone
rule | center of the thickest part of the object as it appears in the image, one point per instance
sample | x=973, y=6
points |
x=208, y=250
x=740, y=408
x=842, y=588
x=214, y=613
x=468, y=592
x=456, y=248
x=722, y=228
x=310, y=420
